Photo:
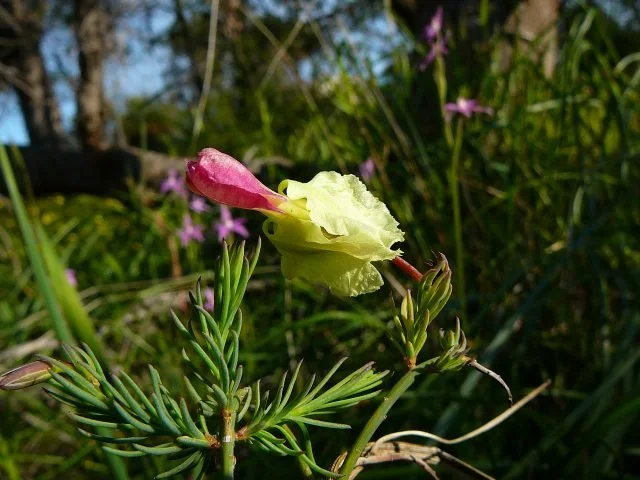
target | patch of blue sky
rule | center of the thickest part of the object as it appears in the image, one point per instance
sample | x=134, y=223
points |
x=134, y=70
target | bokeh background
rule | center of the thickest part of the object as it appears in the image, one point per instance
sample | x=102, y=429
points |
x=101, y=102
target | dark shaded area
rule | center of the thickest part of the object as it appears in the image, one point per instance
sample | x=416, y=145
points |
x=97, y=172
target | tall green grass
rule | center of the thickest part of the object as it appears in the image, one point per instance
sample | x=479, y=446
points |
x=68, y=316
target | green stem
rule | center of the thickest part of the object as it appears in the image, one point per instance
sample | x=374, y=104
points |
x=60, y=326
x=304, y=468
x=457, y=218
x=116, y=464
x=228, y=442
x=376, y=419
x=440, y=78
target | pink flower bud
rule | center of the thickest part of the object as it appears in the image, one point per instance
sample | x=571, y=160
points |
x=25, y=376
x=221, y=178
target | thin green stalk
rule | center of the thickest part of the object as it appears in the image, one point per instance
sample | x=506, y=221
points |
x=440, y=78
x=376, y=419
x=7, y=462
x=116, y=464
x=59, y=324
x=228, y=442
x=457, y=219
x=304, y=468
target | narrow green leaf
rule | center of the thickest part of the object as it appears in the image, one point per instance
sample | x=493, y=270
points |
x=211, y=323
x=220, y=362
x=95, y=423
x=225, y=267
x=279, y=392
x=236, y=265
x=160, y=450
x=245, y=408
x=234, y=349
x=60, y=326
x=308, y=386
x=78, y=320
x=181, y=328
x=191, y=461
x=256, y=394
x=188, y=421
x=347, y=402
x=254, y=257
x=158, y=401
x=205, y=358
x=128, y=418
x=319, y=423
x=325, y=379
x=78, y=379
x=129, y=400
x=220, y=396
x=193, y=442
x=236, y=380
x=193, y=393
x=316, y=468
x=138, y=391
x=61, y=397
x=123, y=453
x=114, y=440
x=79, y=393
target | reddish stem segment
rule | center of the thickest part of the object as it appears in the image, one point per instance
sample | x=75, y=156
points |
x=407, y=268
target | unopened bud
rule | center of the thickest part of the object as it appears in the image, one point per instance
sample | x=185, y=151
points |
x=25, y=376
x=453, y=339
x=435, y=288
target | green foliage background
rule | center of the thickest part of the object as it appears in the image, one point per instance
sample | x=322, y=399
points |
x=551, y=238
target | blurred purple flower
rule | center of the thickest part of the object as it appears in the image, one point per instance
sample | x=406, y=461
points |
x=438, y=49
x=174, y=183
x=199, y=205
x=434, y=27
x=209, y=299
x=367, y=169
x=228, y=224
x=189, y=232
x=466, y=107
x=71, y=277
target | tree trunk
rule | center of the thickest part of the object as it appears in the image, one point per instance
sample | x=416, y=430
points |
x=532, y=22
x=91, y=28
x=38, y=103
x=24, y=69
x=184, y=30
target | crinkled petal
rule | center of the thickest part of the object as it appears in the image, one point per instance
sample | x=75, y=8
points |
x=347, y=216
x=343, y=274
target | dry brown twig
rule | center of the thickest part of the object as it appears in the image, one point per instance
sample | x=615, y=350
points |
x=421, y=455
x=387, y=449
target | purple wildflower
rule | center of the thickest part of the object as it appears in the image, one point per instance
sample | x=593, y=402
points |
x=434, y=27
x=209, y=299
x=438, y=49
x=174, y=183
x=228, y=224
x=189, y=232
x=71, y=277
x=466, y=107
x=367, y=169
x=199, y=205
